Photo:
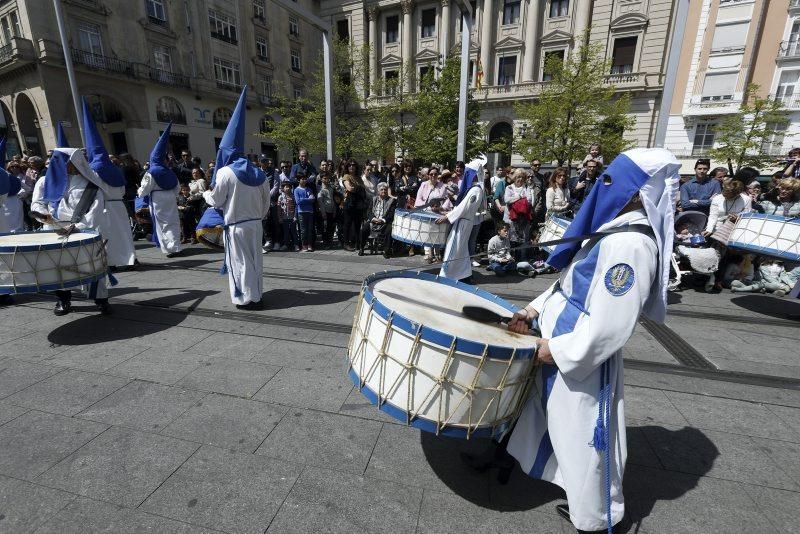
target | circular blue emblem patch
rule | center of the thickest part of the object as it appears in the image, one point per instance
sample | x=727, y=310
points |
x=619, y=279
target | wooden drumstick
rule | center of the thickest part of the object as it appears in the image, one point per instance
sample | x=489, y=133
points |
x=484, y=315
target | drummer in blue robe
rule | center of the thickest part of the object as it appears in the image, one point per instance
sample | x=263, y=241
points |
x=241, y=191
x=470, y=203
x=572, y=429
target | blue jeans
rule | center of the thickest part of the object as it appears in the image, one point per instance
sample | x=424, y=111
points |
x=307, y=228
x=290, y=238
x=501, y=269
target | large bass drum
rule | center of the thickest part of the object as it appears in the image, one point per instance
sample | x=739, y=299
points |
x=419, y=228
x=767, y=235
x=210, y=229
x=554, y=228
x=31, y=262
x=419, y=359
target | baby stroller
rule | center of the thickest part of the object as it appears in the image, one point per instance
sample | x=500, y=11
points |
x=691, y=253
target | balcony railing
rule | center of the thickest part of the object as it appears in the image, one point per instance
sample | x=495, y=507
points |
x=788, y=101
x=168, y=78
x=265, y=100
x=225, y=37
x=789, y=49
x=228, y=86
x=6, y=53
x=100, y=62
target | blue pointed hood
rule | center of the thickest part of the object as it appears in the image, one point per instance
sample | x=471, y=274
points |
x=164, y=177
x=231, y=148
x=97, y=153
x=61, y=137
x=472, y=171
x=56, y=180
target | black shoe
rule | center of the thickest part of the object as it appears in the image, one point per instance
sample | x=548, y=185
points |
x=259, y=305
x=63, y=307
x=361, y=252
x=563, y=511
x=387, y=255
x=104, y=306
x=6, y=300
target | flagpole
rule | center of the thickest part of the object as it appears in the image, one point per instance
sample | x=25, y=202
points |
x=70, y=70
x=466, y=35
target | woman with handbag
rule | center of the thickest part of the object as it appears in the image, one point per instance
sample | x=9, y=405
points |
x=355, y=200
x=723, y=213
x=519, y=209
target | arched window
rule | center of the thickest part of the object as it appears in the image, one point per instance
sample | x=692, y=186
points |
x=170, y=110
x=222, y=116
x=501, y=137
x=266, y=124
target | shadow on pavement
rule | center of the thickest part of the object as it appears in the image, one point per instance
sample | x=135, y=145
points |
x=193, y=296
x=782, y=308
x=687, y=449
x=95, y=328
x=279, y=299
x=175, y=265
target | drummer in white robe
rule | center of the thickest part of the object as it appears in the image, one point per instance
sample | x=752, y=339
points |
x=117, y=227
x=241, y=191
x=67, y=186
x=161, y=185
x=572, y=429
x=40, y=206
x=457, y=263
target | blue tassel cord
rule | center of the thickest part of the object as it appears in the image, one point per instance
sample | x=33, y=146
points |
x=112, y=279
x=601, y=438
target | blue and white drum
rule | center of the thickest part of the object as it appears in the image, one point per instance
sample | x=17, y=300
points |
x=767, y=235
x=209, y=229
x=419, y=359
x=45, y=261
x=554, y=228
x=419, y=228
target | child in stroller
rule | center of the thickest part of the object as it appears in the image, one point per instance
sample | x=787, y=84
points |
x=692, y=254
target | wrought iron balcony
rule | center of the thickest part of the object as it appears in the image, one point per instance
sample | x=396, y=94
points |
x=789, y=50
x=105, y=63
x=6, y=53
x=228, y=86
x=788, y=101
x=168, y=78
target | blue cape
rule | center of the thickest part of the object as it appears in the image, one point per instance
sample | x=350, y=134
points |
x=231, y=149
x=163, y=176
x=466, y=183
x=211, y=218
x=615, y=187
x=56, y=180
x=97, y=153
x=14, y=185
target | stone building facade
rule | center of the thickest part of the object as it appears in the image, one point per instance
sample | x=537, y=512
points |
x=143, y=63
x=510, y=41
x=730, y=44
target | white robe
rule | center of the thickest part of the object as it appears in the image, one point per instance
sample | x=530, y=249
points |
x=38, y=203
x=117, y=230
x=3, y=225
x=164, y=211
x=243, y=207
x=462, y=217
x=13, y=211
x=93, y=219
x=587, y=322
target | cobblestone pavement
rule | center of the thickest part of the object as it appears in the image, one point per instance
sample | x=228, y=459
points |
x=180, y=414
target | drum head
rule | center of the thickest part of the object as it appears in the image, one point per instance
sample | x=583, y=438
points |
x=34, y=240
x=438, y=305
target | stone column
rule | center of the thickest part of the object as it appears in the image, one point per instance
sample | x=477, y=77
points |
x=583, y=15
x=372, y=15
x=408, y=43
x=444, y=29
x=487, y=42
x=531, y=40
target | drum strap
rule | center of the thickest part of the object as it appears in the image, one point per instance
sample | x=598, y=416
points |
x=87, y=197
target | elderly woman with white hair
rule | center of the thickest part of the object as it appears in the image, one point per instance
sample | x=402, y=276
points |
x=379, y=220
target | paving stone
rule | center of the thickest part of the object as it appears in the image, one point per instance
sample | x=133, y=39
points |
x=416, y=458
x=33, y=348
x=98, y=358
x=730, y=416
x=142, y=405
x=322, y=439
x=242, y=379
x=445, y=512
x=664, y=501
x=67, y=393
x=231, y=346
x=333, y=338
x=122, y=466
x=651, y=405
x=16, y=375
x=25, y=506
x=157, y=365
x=227, y=422
x=10, y=411
x=87, y=515
x=320, y=389
x=787, y=414
x=332, y=501
x=784, y=454
x=779, y=506
x=358, y=406
x=303, y=355
x=226, y=491
x=10, y=333
x=35, y=441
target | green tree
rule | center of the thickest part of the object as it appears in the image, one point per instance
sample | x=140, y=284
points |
x=576, y=108
x=433, y=137
x=740, y=136
x=390, y=111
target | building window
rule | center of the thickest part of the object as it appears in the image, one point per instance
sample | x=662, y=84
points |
x=90, y=39
x=507, y=70
x=392, y=29
x=428, y=23
x=703, y=138
x=11, y=27
x=170, y=110
x=223, y=26
x=772, y=144
x=266, y=85
x=391, y=81
x=730, y=37
x=262, y=49
x=424, y=72
x=227, y=74
x=296, y=65
x=156, y=12
x=550, y=58
x=787, y=86
x=298, y=92
x=265, y=125
x=718, y=87
x=162, y=58
x=343, y=29
x=559, y=8
x=259, y=10
x=294, y=26
x=221, y=118
x=511, y=12
x=623, y=55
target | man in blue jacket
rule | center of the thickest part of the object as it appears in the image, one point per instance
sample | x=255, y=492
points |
x=696, y=194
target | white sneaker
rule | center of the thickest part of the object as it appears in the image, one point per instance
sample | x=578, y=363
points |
x=265, y=249
x=268, y=244
x=476, y=264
